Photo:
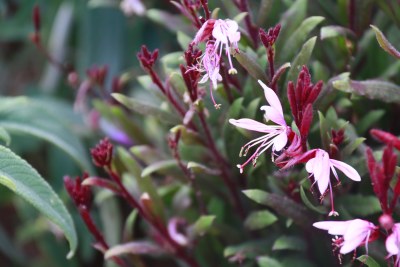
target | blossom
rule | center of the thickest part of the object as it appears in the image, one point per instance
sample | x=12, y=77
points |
x=354, y=233
x=321, y=165
x=393, y=243
x=276, y=135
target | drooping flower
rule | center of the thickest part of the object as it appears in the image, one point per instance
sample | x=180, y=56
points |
x=393, y=243
x=354, y=233
x=225, y=36
x=321, y=165
x=276, y=135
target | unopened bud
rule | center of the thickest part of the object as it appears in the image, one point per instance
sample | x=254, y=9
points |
x=386, y=221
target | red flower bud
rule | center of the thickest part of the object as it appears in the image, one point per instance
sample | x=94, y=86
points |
x=102, y=153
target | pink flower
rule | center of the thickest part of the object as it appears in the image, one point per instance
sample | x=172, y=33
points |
x=226, y=35
x=393, y=243
x=321, y=165
x=354, y=233
x=276, y=135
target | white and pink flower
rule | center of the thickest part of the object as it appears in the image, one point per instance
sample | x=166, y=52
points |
x=393, y=243
x=354, y=233
x=276, y=135
x=321, y=166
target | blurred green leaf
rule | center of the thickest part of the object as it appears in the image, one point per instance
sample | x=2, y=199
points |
x=251, y=65
x=174, y=23
x=359, y=205
x=368, y=120
x=295, y=41
x=134, y=247
x=202, y=225
x=301, y=59
x=368, y=261
x=21, y=178
x=373, y=89
x=332, y=31
x=183, y=40
x=146, y=109
x=308, y=203
x=290, y=243
x=352, y=146
x=259, y=219
x=188, y=136
x=384, y=43
x=5, y=136
x=160, y=167
x=201, y=168
x=263, y=10
x=265, y=261
x=239, y=17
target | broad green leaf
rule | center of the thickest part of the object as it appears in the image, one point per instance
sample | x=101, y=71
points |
x=368, y=261
x=359, y=205
x=289, y=243
x=282, y=205
x=368, y=120
x=301, y=59
x=295, y=41
x=308, y=203
x=259, y=220
x=21, y=178
x=265, y=261
x=146, y=109
x=373, y=89
x=384, y=43
x=251, y=65
x=202, y=225
x=22, y=115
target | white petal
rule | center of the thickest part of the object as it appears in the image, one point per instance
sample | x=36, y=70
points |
x=252, y=125
x=232, y=25
x=392, y=244
x=322, y=170
x=350, y=245
x=280, y=142
x=346, y=169
x=218, y=32
x=310, y=165
x=333, y=227
x=271, y=98
x=273, y=115
x=204, y=78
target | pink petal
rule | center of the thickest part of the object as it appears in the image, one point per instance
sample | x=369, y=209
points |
x=271, y=98
x=232, y=25
x=322, y=170
x=310, y=165
x=350, y=245
x=280, y=142
x=204, y=32
x=272, y=114
x=251, y=125
x=356, y=228
x=204, y=79
x=346, y=169
x=392, y=244
x=218, y=31
x=333, y=227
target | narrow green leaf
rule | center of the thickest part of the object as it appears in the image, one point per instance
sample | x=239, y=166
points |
x=183, y=40
x=263, y=10
x=301, y=59
x=298, y=37
x=21, y=178
x=384, y=43
x=202, y=225
x=359, y=205
x=160, y=166
x=368, y=120
x=189, y=137
x=373, y=89
x=289, y=243
x=251, y=65
x=352, y=146
x=308, y=203
x=282, y=205
x=146, y=109
x=260, y=219
x=5, y=136
x=135, y=248
x=265, y=261
x=368, y=261
x=201, y=168
x=332, y=31
x=239, y=17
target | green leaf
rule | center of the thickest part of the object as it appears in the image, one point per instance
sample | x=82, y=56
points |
x=282, y=205
x=202, y=225
x=239, y=17
x=171, y=22
x=263, y=10
x=359, y=205
x=308, y=203
x=372, y=89
x=334, y=31
x=160, y=166
x=21, y=178
x=352, y=146
x=260, y=219
x=384, y=43
x=265, y=261
x=188, y=136
x=183, y=40
x=368, y=120
x=146, y=109
x=201, y=168
x=368, y=261
x=5, y=136
x=289, y=243
x=299, y=36
x=301, y=59
x=22, y=115
x=135, y=248
x=251, y=65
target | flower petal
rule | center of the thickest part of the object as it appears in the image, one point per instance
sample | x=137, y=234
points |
x=272, y=114
x=346, y=169
x=280, y=142
x=333, y=227
x=252, y=125
x=204, y=32
x=391, y=244
x=271, y=98
x=322, y=170
x=219, y=33
x=352, y=244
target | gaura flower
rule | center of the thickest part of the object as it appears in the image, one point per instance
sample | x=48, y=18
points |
x=393, y=243
x=321, y=165
x=276, y=135
x=354, y=233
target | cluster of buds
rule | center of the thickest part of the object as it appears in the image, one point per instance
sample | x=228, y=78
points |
x=147, y=58
x=102, y=153
x=382, y=173
x=97, y=75
x=268, y=39
x=80, y=194
x=191, y=78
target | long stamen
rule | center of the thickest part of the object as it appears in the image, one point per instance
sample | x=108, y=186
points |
x=333, y=212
